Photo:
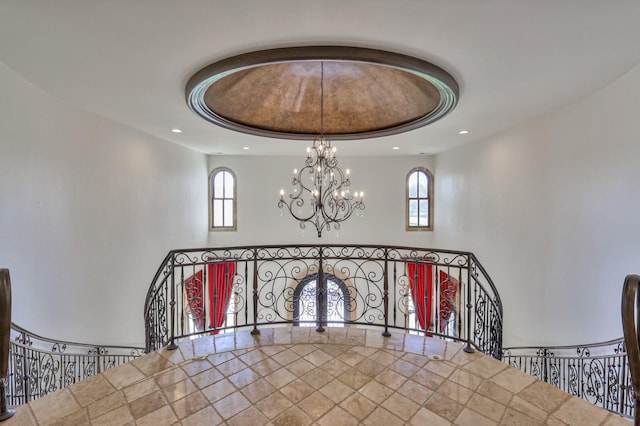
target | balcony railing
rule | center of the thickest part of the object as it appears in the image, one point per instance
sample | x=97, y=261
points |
x=598, y=373
x=39, y=365
x=319, y=285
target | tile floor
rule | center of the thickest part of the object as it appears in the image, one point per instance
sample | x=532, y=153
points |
x=296, y=376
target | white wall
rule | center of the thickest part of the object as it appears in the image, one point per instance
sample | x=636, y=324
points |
x=551, y=208
x=260, y=179
x=88, y=210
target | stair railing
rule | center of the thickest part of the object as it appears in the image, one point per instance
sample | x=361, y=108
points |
x=460, y=301
x=631, y=329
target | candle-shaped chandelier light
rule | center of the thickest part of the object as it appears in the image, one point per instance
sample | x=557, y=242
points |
x=321, y=192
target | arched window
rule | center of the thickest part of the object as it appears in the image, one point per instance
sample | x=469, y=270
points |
x=222, y=207
x=335, y=306
x=419, y=200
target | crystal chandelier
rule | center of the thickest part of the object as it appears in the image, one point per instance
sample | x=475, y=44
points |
x=321, y=192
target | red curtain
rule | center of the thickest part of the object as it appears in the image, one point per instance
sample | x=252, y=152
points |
x=193, y=293
x=220, y=284
x=420, y=281
x=448, y=290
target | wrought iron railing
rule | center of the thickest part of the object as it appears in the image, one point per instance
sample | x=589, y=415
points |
x=38, y=365
x=598, y=373
x=352, y=286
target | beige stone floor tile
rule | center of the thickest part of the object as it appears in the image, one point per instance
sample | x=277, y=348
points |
x=151, y=364
x=353, y=378
x=401, y=406
x=316, y=378
x=220, y=358
x=258, y=390
x=266, y=367
x=280, y=378
x=428, y=379
x=336, y=391
x=615, y=420
x=316, y=405
x=495, y=392
x=231, y=405
x=163, y=416
x=441, y=368
x=318, y=357
x=381, y=416
x=391, y=379
x=273, y=405
x=292, y=417
x=251, y=416
x=335, y=368
x=577, y=411
x=471, y=418
x=466, y=379
x=174, y=356
x=118, y=417
x=231, y=367
x=91, y=389
x=22, y=417
x=140, y=390
x=56, y=406
x=179, y=390
x=485, y=366
x=417, y=360
x=425, y=417
x=313, y=382
x=443, y=406
x=218, y=390
x=487, y=407
x=527, y=408
x=297, y=390
x=147, y=404
x=124, y=375
x=207, y=416
x=544, y=396
x=303, y=349
x=78, y=418
x=376, y=392
x=455, y=391
x=513, y=417
x=207, y=378
x=106, y=404
x=170, y=377
x=338, y=416
x=243, y=377
x=513, y=380
x=195, y=367
x=369, y=367
x=415, y=392
x=190, y=404
x=358, y=406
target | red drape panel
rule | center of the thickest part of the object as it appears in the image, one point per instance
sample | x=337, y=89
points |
x=448, y=290
x=420, y=280
x=195, y=300
x=220, y=283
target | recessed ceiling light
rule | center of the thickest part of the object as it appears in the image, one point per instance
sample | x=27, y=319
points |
x=463, y=132
x=396, y=147
x=245, y=147
x=176, y=130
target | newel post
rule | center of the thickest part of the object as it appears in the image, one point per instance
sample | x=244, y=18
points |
x=5, y=330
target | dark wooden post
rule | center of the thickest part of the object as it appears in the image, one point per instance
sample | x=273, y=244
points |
x=5, y=329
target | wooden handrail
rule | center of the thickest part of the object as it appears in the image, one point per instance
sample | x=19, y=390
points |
x=5, y=330
x=631, y=329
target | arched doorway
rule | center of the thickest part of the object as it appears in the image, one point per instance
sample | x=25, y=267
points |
x=335, y=303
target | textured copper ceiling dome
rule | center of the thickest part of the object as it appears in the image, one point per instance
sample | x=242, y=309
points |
x=343, y=92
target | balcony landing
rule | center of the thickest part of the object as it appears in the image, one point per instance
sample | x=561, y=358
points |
x=296, y=376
